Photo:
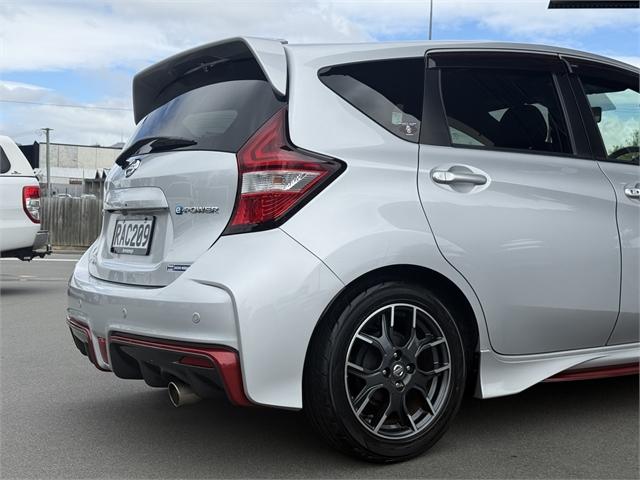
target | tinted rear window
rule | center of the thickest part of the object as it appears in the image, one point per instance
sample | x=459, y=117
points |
x=387, y=91
x=219, y=116
x=503, y=108
x=5, y=164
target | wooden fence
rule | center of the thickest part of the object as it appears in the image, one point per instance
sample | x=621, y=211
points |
x=72, y=221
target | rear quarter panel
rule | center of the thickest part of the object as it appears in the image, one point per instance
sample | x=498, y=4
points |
x=371, y=216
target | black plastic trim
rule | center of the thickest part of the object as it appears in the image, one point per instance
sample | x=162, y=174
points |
x=485, y=58
x=593, y=4
x=579, y=139
x=594, y=68
x=159, y=367
x=415, y=139
x=434, y=129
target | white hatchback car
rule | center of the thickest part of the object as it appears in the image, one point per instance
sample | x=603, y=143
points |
x=366, y=230
x=20, y=233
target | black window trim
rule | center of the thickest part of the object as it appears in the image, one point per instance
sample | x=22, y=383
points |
x=598, y=148
x=4, y=155
x=375, y=60
x=434, y=115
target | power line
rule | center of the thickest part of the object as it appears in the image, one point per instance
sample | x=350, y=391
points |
x=87, y=107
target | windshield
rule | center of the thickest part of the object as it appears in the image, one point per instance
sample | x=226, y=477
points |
x=220, y=116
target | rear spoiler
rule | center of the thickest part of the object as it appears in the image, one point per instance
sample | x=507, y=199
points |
x=151, y=82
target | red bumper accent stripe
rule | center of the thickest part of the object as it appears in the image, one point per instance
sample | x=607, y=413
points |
x=596, y=372
x=79, y=326
x=227, y=363
x=102, y=343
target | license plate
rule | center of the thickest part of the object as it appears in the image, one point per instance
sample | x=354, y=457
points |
x=133, y=236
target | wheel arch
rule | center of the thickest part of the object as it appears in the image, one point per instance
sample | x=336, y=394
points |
x=444, y=288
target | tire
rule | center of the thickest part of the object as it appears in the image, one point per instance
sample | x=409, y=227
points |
x=346, y=399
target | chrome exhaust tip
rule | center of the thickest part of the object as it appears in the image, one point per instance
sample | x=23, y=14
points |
x=180, y=394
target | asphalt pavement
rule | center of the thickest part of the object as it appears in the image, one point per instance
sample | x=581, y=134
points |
x=62, y=418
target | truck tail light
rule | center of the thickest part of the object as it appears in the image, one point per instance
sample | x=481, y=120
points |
x=31, y=202
x=276, y=178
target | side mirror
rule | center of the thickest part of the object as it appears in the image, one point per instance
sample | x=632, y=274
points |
x=597, y=113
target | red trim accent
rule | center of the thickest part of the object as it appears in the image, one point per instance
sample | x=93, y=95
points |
x=102, y=344
x=75, y=324
x=596, y=372
x=227, y=362
x=196, y=362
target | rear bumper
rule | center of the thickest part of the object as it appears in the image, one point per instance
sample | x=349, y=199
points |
x=40, y=248
x=234, y=298
x=209, y=370
x=41, y=242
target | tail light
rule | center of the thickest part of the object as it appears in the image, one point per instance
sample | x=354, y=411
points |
x=276, y=178
x=31, y=202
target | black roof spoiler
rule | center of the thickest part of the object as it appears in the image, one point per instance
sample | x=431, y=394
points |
x=150, y=82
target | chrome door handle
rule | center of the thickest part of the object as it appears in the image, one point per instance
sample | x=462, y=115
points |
x=632, y=192
x=448, y=177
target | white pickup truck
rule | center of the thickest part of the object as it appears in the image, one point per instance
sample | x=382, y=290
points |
x=20, y=233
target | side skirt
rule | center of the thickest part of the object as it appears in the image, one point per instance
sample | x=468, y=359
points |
x=508, y=374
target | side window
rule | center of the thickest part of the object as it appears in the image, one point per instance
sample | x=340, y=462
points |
x=387, y=91
x=5, y=164
x=615, y=105
x=502, y=108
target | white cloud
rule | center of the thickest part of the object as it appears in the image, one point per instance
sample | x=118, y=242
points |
x=21, y=92
x=38, y=35
x=42, y=107
x=54, y=35
x=528, y=20
x=16, y=86
x=104, y=41
x=70, y=125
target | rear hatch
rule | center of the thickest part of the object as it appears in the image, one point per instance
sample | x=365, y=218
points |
x=173, y=190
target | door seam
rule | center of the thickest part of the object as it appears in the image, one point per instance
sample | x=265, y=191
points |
x=615, y=195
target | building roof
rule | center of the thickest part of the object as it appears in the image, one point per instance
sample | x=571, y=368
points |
x=70, y=172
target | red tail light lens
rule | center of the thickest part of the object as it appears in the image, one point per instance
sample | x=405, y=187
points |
x=276, y=178
x=31, y=202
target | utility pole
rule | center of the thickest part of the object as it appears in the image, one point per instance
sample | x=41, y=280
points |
x=430, y=18
x=46, y=132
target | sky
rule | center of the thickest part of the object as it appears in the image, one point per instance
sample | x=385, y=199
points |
x=84, y=53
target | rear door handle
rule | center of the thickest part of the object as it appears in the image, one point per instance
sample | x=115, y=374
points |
x=449, y=177
x=632, y=192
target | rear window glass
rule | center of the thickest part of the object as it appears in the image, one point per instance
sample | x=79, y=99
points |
x=387, y=91
x=502, y=108
x=5, y=164
x=221, y=116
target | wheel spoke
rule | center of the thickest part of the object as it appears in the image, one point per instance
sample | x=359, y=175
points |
x=417, y=345
x=430, y=343
x=382, y=419
x=371, y=377
x=431, y=409
x=423, y=377
x=383, y=343
x=376, y=342
x=424, y=344
x=425, y=397
x=385, y=337
x=408, y=416
x=363, y=398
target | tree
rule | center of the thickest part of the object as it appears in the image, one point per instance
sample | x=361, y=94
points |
x=632, y=140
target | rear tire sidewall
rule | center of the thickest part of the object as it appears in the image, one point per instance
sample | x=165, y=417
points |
x=349, y=321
